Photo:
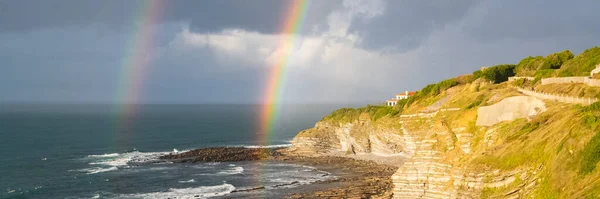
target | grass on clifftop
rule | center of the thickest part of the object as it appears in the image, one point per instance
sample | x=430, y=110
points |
x=582, y=64
x=531, y=65
x=577, y=90
x=560, y=64
x=346, y=115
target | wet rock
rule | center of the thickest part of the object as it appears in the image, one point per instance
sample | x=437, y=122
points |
x=223, y=154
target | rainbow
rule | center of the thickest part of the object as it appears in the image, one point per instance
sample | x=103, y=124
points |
x=135, y=62
x=291, y=25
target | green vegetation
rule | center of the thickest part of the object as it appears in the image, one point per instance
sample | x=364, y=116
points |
x=579, y=90
x=498, y=73
x=531, y=65
x=556, y=60
x=591, y=115
x=465, y=79
x=432, y=90
x=528, y=66
x=435, y=89
x=477, y=102
x=591, y=155
x=582, y=64
x=375, y=112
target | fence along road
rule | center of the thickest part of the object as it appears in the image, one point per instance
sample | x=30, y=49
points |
x=559, y=98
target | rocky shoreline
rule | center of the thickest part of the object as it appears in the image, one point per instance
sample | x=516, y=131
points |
x=355, y=178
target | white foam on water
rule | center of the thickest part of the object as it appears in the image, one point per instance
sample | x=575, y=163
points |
x=229, y=171
x=213, y=163
x=185, y=193
x=232, y=171
x=296, y=176
x=114, y=161
x=130, y=157
x=231, y=165
x=187, y=181
x=95, y=170
x=104, y=155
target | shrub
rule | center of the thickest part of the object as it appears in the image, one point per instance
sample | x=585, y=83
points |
x=529, y=65
x=498, y=73
x=465, y=79
x=582, y=64
x=555, y=60
x=519, y=82
x=350, y=114
x=435, y=89
x=591, y=115
x=544, y=73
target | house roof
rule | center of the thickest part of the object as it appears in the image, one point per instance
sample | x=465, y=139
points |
x=393, y=100
x=404, y=94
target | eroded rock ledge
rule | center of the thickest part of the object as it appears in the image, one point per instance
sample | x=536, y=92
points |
x=224, y=154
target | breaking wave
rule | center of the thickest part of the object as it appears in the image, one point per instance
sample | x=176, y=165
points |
x=183, y=193
x=187, y=181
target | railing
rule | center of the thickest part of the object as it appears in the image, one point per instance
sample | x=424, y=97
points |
x=510, y=79
x=560, y=98
x=563, y=80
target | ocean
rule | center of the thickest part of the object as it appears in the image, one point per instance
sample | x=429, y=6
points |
x=88, y=151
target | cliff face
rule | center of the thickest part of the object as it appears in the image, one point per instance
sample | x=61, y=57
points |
x=361, y=139
x=471, y=141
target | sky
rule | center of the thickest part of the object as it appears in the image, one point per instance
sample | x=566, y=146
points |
x=220, y=51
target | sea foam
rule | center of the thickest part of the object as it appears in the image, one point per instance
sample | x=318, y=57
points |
x=187, y=181
x=193, y=192
x=115, y=161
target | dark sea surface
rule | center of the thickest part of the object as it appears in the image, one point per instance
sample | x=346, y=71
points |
x=89, y=151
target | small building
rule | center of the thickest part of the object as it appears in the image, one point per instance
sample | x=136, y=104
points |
x=399, y=97
x=392, y=102
x=404, y=95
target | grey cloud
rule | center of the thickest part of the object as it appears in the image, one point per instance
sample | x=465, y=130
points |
x=406, y=24
x=533, y=20
x=263, y=16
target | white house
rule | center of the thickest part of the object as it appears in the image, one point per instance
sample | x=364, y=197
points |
x=404, y=95
x=399, y=97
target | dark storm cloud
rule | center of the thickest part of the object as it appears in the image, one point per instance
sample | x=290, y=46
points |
x=535, y=19
x=263, y=16
x=406, y=24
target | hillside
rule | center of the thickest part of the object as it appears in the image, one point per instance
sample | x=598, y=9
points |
x=477, y=136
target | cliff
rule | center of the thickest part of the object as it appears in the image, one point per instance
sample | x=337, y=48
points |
x=470, y=139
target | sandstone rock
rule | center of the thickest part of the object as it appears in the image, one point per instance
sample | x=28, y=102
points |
x=509, y=109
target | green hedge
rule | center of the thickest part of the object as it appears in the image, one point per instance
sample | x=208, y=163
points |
x=531, y=65
x=498, y=73
x=556, y=60
x=582, y=64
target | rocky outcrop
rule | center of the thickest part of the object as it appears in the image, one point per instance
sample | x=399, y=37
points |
x=439, y=148
x=223, y=154
x=429, y=174
x=509, y=109
x=356, y=138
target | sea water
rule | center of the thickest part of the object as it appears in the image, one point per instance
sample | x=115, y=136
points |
x=102, y=151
